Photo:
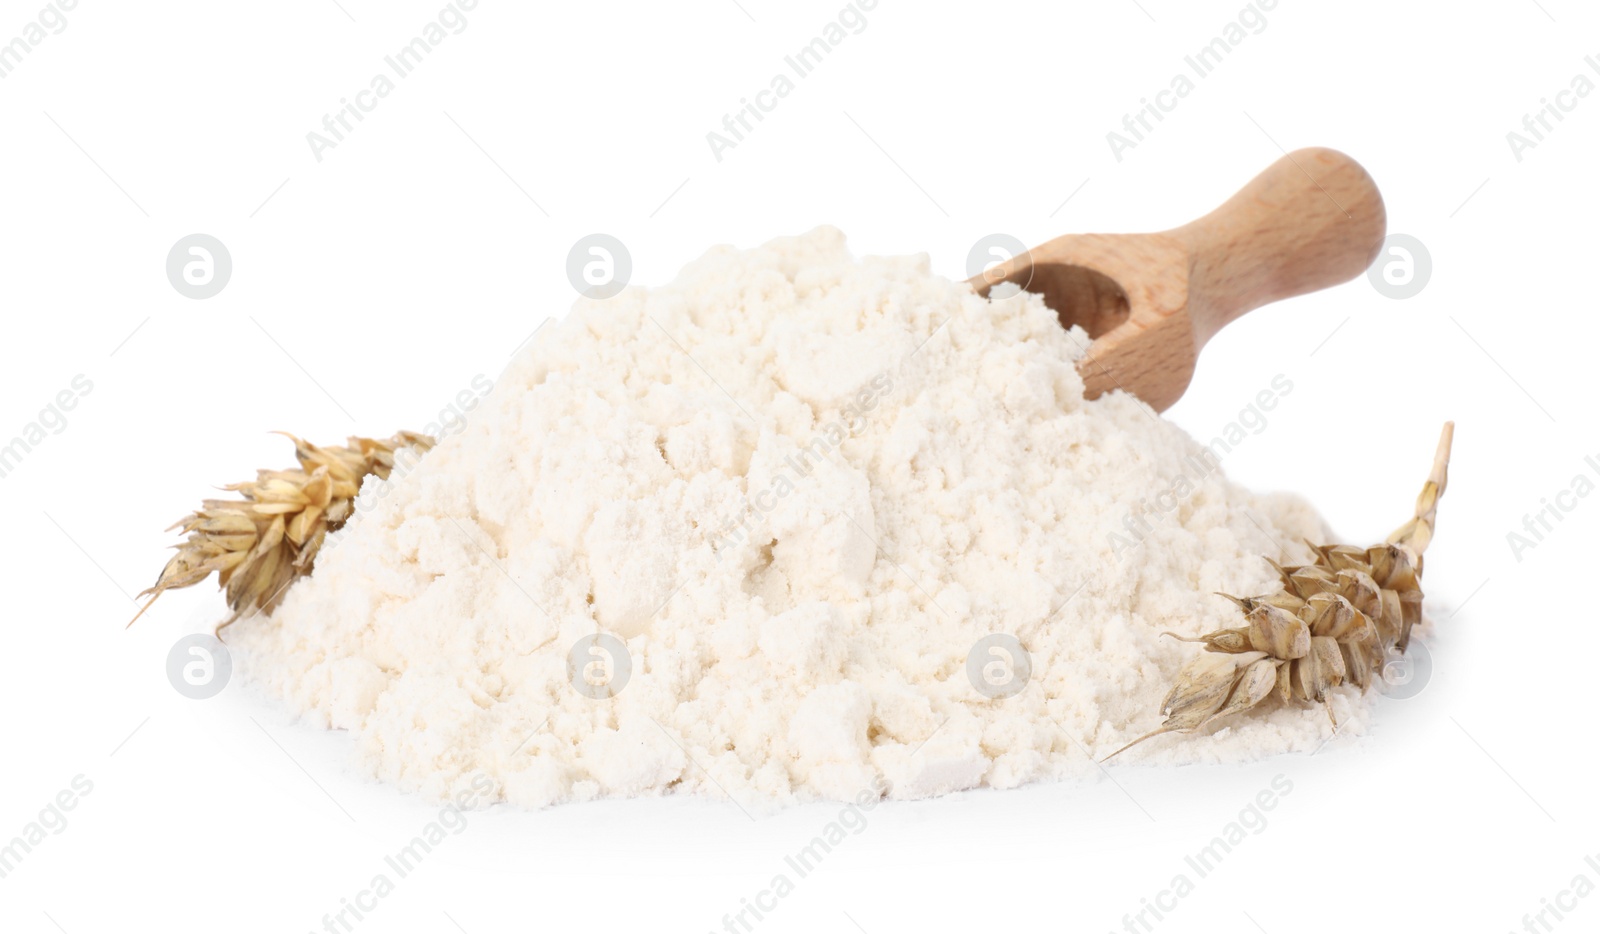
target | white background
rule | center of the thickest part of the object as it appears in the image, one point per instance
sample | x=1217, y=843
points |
x=369, y=288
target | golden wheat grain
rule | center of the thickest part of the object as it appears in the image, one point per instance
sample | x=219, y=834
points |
x=261, y=543
x=1331, y=621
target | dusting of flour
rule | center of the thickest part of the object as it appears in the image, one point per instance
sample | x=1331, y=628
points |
x=799, y=487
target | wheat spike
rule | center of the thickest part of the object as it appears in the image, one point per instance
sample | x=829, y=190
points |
x=1331, y=621
x=261, y=543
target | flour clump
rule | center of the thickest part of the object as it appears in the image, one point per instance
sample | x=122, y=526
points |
x=742, y=533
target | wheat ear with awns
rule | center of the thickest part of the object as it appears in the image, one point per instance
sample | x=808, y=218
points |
x=1331, y=621
x=260, y=544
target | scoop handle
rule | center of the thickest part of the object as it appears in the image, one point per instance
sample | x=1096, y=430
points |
x=1312, y=219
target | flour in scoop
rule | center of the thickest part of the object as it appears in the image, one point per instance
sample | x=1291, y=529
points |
x=793, y=526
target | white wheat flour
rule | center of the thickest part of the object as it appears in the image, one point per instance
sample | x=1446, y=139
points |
x=964, y=488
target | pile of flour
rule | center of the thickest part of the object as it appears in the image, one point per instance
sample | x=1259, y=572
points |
x=799, y=488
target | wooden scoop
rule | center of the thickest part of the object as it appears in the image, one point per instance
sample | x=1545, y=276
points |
x=1150, y=301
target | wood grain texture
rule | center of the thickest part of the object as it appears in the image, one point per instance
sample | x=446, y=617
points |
x=1151, y=301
